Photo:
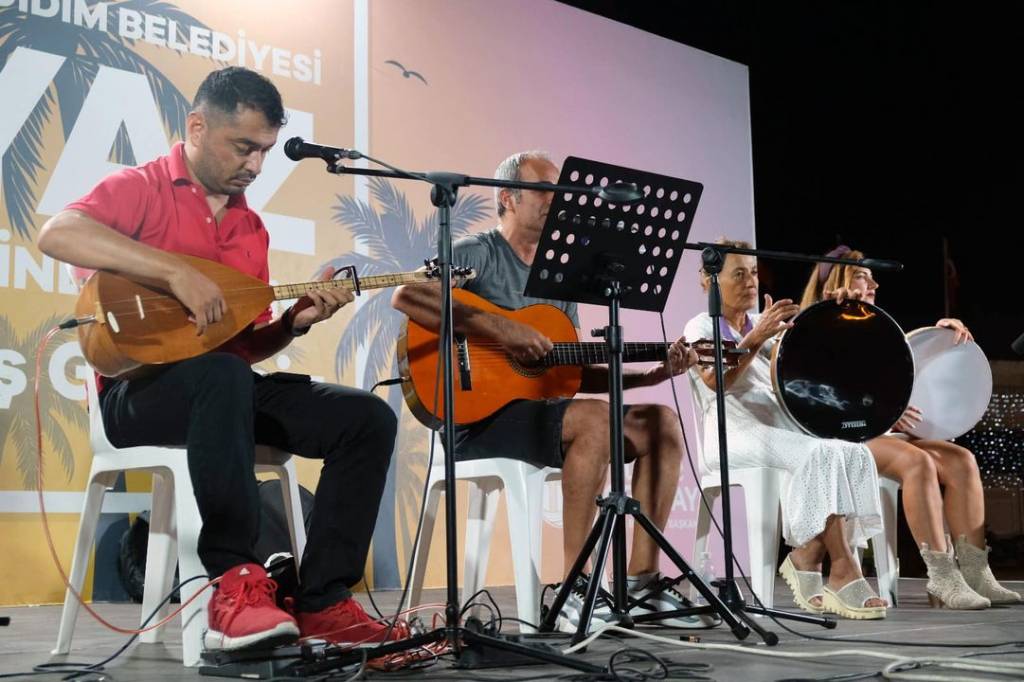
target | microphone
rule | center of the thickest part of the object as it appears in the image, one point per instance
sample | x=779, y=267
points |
x=880, y=264
x=1018, y=345
x=297, y=149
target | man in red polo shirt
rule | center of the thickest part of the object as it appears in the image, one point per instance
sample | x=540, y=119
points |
x=192, y=202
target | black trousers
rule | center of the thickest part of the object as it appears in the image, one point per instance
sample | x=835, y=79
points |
x=218, y=409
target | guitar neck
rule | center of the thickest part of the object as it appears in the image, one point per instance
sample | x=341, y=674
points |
x=287, y=291
x=597, y=353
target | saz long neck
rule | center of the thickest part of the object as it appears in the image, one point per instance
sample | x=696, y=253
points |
x=286, y=291
x=597, y=353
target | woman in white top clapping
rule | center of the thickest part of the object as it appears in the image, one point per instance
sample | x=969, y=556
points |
x=831, y=499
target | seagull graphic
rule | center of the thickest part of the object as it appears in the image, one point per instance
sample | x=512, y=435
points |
x=406, y=72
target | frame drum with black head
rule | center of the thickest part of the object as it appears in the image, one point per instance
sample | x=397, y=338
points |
x=843, y=370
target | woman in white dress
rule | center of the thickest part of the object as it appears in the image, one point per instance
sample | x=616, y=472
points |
x=922, y=466
x=831, y=498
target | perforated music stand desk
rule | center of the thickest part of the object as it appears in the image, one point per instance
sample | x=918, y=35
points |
x=585, y=234
x=617, y=252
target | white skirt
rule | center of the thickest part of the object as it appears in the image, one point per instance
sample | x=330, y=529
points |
x=826, y=476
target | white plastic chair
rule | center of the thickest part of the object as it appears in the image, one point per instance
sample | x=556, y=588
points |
x=173, y=531
x=887, y=561
x=524, y=500
x=762, y=487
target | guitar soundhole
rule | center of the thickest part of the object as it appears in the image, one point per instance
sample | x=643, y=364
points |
x=528, y=371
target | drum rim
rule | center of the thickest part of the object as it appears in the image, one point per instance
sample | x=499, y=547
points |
x=774, y=363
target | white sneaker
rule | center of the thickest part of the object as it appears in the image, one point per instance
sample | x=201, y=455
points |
x=569, y=617
x=653, y=593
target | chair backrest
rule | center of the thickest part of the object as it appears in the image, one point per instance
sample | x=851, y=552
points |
x=97, y=433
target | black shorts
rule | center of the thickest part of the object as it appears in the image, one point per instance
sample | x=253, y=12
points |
x=527, y=430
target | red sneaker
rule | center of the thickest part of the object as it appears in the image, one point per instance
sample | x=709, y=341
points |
x=243, y=612
x=346, y=623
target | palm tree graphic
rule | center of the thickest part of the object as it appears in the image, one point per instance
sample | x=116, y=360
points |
x=84, y=50
x=396, y=242
x=17, y=417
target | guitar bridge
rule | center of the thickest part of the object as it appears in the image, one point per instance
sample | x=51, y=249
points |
x=462, y=357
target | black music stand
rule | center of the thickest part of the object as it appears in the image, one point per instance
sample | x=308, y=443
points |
x=617, y=254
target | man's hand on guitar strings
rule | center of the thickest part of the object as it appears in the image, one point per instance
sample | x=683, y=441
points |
x=200, y=295
x=681, y=357
x=319, y=305
x=523, y=342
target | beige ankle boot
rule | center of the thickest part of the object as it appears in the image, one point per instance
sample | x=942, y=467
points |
x=946, y=586
x=974, y=567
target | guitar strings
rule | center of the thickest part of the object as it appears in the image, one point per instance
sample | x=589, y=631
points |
x=632, y=345
x=240, y=291
x=565, y=353
x=567, y=346
x=364, y=283
x=494, y=353
x=163, y=304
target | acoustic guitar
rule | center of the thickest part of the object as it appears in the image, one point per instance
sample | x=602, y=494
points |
x=137, y=326
x=487, y=378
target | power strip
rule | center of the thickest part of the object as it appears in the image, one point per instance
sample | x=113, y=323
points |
x=258, y=664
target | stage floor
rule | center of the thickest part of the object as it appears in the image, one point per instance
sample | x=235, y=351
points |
x=27, y=641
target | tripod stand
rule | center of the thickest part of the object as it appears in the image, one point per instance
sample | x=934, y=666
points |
x=614, y=507
x=595, y=253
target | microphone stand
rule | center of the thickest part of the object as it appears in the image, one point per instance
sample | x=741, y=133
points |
x=443, y=194
x=713, y=257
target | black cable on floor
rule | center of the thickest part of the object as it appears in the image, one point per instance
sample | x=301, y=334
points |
x=76, y=671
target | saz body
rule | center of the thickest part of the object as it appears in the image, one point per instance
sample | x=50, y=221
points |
x=137, y=326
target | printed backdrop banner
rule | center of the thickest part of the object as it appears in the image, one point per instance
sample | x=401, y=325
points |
x=90, y=87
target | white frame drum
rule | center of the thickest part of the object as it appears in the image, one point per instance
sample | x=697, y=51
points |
x=952, y=383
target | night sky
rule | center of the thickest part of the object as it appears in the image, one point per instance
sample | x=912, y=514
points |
x=892, y=127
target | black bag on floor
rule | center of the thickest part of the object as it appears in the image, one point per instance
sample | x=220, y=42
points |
x=273, y=538
x=274, y=535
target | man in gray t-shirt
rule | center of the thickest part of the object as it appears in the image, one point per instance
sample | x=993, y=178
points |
x=568, y=433
x=500, y=273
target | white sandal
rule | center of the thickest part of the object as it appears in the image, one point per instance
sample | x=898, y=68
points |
x=850, y=601
x=805, y=585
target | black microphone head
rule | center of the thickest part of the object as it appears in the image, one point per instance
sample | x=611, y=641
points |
x=880, y=264
x=620, y=192
x=293, y=148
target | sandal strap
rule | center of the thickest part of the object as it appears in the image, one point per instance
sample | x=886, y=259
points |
x=810, y=582
x=856, y=592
